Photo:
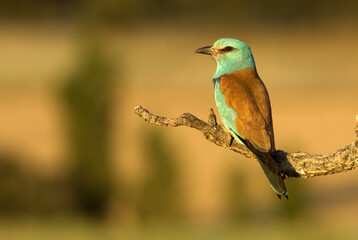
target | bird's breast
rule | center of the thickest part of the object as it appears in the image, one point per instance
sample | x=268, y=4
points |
x=227, y=114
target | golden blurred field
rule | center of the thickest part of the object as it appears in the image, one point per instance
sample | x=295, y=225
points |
x=311, y=78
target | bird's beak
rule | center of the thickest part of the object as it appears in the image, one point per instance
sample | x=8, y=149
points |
x=206, y=50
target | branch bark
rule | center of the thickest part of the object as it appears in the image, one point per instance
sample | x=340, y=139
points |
x=290, y=164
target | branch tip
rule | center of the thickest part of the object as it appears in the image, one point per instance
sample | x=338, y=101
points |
x=137, y=109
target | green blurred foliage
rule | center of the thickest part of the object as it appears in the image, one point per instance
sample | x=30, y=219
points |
x=296, y=206
x=238, y=203
x=158, y=198
x=239, y=209
x=25, y=193
x=88, y=97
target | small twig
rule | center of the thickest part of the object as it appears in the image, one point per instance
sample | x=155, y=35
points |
x=290, y=164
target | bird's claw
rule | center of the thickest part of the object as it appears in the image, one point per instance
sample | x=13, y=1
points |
x=231, y=141
x=230, y=136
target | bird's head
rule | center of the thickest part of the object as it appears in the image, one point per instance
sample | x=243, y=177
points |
x=231, y=55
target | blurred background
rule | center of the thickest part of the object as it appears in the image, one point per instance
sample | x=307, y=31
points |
x=77, y=163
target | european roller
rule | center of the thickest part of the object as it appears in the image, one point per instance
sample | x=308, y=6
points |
x=244, y=105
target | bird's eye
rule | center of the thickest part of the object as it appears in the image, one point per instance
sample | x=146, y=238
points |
x=228, y=49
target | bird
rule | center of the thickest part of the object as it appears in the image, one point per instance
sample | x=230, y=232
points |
x=244, y=105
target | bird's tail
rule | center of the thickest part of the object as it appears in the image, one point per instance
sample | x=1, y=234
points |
x=276, y=181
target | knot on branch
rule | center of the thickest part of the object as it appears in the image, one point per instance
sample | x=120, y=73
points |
x=212, y=118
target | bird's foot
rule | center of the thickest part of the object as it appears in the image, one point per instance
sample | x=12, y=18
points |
x=230, y=136
x=231, y=141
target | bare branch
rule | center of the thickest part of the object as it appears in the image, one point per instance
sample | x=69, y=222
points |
x=290, y=164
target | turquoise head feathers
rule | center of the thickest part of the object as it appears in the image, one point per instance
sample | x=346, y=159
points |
x=231, y=55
